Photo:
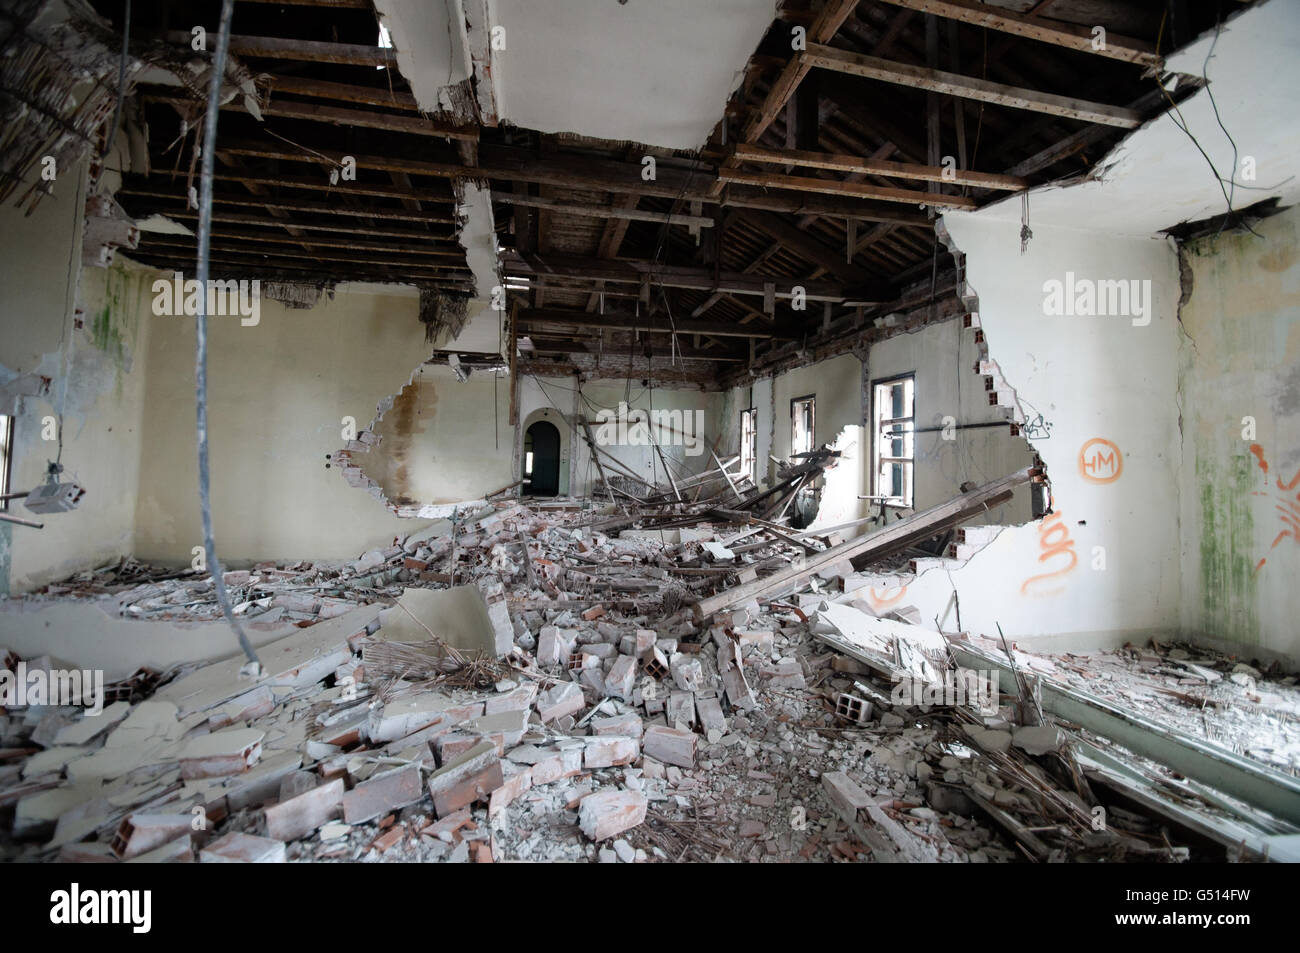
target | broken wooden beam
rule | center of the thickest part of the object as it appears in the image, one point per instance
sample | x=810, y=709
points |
x=903, y=533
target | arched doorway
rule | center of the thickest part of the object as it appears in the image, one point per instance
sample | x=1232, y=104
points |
x=542, y=459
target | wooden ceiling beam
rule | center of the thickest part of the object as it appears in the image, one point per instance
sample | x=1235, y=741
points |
x=340, y=116
x=698, y=279
x=603, y=211
x=862, y=190
x=234, y=218
x=306, y=51
x=838, y=162
x=314, y=208
x=1058, y=33
x=321, y=184
x=646, y=324
x=343, y=92
x=969, y=87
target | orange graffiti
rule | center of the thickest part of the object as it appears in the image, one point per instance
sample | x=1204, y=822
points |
x=1288, y=508
x=880, y=601
x=1101, y=466
x=1054, y=540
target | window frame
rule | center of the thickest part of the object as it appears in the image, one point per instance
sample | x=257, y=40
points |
x=6, y=458
x=749, y=442
x=878, y=459
x=811, y=401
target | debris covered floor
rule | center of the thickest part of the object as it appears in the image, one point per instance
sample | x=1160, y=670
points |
x=522, y=685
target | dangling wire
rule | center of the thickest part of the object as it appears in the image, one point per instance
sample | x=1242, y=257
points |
x=201, y=326
x=1025, y=233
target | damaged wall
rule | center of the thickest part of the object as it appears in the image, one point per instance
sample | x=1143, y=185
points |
x=942, y=357
x=1240, y=505
x=443, y=441
x=1107, y=386
x=277, y=395
x=100, y=365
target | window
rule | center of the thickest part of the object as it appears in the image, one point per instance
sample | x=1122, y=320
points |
x=803, y=423
x=748, y=442
x=894, y=415
x=6, y=443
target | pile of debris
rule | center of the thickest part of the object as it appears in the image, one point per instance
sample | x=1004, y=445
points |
x=550, y=683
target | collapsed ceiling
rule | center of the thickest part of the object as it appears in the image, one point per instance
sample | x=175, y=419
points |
x=641, y=222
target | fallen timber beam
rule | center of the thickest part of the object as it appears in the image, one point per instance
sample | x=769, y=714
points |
x=890, y=539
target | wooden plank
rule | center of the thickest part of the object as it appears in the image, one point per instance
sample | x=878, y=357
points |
x=180, y=243
x=505, y=162
x=234, y=218
x=309, y=51
x=861, y=190
x=638, y=271
x=802, y=244
x=431, y=250
x=345, y=92
x=969, y=87
x=341, y=116
x=546, y=317
x=1068, y=35
x=315, y=208
x=313, y=183
x=603, y=211
x=909, y=529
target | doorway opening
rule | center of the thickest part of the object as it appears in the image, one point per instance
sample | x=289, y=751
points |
x=542, y=459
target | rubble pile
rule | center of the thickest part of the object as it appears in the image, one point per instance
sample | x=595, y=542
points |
x=540, y=683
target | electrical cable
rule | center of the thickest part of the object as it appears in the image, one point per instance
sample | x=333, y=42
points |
x=201, y=326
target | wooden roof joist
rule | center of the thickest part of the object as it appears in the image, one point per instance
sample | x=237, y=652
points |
x=654, y=273
x=430, y=250
x=386, y=259
x=321, y=184
x=547, y=318
x=344, y=92
x=605, y=175
x=603, y=211
x=170, y=258
x=233, y=218
x=313, y=208
x=864, y=190
x=340, y=116
x=967, y=87
x=559, y=346
x=900, y=170
x=1068, y=35
x=307, y=51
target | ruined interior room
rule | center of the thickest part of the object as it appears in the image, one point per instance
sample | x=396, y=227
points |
x=613, y=431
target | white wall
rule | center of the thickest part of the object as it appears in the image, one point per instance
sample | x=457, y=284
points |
x=1091, y=377
x=95, y=381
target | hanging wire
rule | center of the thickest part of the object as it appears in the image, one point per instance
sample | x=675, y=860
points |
x=201, y=327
